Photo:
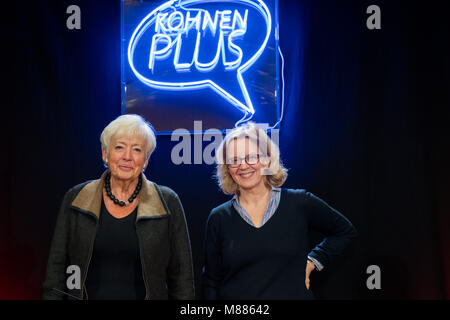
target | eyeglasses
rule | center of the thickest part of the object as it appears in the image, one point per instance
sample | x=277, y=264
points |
x=250, y=159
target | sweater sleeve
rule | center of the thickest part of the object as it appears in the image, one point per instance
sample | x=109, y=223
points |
x=211, y=273
x=338, y=230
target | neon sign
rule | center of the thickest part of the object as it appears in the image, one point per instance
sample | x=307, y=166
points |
x=188, y=45
x=202, y=21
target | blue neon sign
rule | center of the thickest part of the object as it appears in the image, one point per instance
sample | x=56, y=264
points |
x=183, y=45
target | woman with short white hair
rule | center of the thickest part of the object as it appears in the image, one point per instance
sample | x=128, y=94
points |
x=125, y=235
x=256, y=244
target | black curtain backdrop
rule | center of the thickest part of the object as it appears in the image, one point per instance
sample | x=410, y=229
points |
x=366, y=128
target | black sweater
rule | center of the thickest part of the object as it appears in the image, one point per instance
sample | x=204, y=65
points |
x=115, y=271
x=244, y=262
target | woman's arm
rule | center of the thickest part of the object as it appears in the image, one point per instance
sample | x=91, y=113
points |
x=180, y=279
x=57, y=261
x=211, y=273
x=338, y=230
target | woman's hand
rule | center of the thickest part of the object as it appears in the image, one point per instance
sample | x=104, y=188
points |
x=309, y=268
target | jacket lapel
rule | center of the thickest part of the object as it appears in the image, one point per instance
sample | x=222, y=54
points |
x=89, y=199
x=150, y=204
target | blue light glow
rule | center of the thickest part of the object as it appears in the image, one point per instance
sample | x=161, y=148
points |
x=171, y=24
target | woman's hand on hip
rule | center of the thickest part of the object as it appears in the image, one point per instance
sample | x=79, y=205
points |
x=309, y=268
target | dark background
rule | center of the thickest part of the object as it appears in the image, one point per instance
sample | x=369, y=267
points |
x=366, y=128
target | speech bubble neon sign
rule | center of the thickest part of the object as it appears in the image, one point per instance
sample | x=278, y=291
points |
x=167, y=33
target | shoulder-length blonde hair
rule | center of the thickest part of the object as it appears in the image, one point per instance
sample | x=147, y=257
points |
x=274, y=176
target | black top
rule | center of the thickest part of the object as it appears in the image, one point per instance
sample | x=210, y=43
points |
x=115, y=271
x=245, y=262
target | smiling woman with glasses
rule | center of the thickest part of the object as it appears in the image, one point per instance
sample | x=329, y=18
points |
x=256, y=244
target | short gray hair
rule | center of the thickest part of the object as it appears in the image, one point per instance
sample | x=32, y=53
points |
x=130, y=125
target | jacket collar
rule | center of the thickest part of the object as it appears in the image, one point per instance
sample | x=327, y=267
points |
x=89, y=199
